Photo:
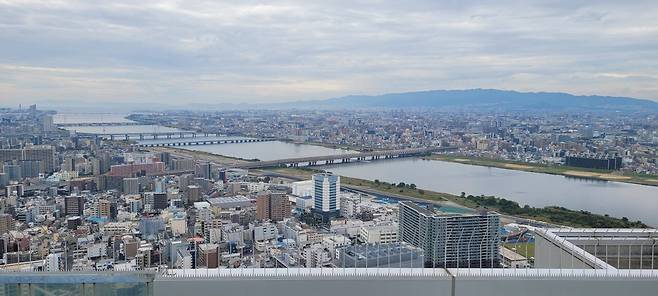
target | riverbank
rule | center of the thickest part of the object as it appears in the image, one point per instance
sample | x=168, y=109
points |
x=552, y=215
x=574, y=172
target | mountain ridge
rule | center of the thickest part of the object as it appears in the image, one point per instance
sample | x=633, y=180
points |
x=482, y=98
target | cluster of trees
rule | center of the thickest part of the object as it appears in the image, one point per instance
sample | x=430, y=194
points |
x=398, y=185
x=558, y=215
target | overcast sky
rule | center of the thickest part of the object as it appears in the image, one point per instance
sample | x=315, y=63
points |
x=181, y=52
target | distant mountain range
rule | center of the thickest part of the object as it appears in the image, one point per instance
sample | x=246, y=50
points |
x=482, y=99
x=467, y=100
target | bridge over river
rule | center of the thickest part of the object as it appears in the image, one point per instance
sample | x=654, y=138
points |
x=342, y=158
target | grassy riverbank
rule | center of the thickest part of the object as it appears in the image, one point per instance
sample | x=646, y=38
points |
x=602, y=175
x=554, y=215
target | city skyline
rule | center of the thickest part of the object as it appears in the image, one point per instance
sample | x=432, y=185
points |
x=216, y=53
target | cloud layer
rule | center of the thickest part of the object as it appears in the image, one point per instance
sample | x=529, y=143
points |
x=182, y=52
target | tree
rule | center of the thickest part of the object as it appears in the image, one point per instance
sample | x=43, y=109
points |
x=412, y=186
x=463, y=194
x=401, y=185
x=377, y=181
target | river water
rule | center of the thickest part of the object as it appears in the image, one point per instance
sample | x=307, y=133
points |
x=637, y=202
x=535, y=189
x=267, y=150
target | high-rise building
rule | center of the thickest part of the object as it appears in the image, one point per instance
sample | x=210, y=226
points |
x=204, y=170
x=6, y=223
x=451, y=240
x=131, y=185
x=155, y=201
x=193, y=193
x=43, y=153
x=273, y=206
x=74, y=205
x=160, y=201
x=30, y=168
x=4, y=179
x=104, y=208
x=14, y=172
x=326, y=192
x=47, y=124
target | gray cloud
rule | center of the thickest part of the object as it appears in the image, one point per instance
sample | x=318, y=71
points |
x=176, y=52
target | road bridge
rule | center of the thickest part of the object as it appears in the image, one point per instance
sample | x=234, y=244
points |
x=342, y=158
x=80, y=124
x=193, y=142
x=148, y=135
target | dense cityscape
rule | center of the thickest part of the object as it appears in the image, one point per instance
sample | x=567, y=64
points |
x=449, y=148
x=77, y=201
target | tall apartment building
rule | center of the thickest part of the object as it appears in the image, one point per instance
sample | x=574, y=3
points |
x=130, y=185
x=45, y=154
x=104, y=208
x=273, y=206
x=74, y=205
x=6, y=223
x=47, y=124
x=204, y=170
x=326, y=193
x=451, y=240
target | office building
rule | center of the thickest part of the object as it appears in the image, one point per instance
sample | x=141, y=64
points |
x=273, y=206
x=130, y=186
x=451, y=240
x=74, y=205
x=326, y=193
x=154, y=201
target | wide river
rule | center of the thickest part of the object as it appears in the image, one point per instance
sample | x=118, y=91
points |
x=267, y=150
x=535, y=189
x=637, y=202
